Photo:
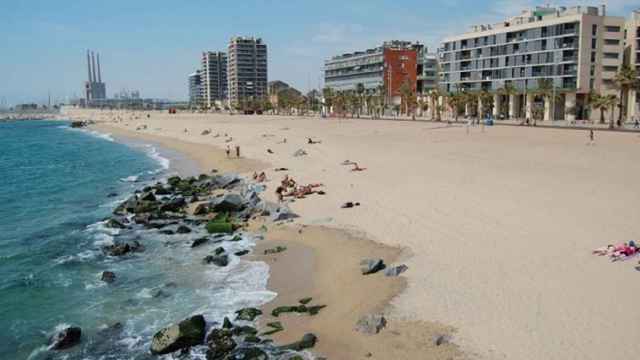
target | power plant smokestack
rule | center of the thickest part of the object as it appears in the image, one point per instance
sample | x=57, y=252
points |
x=89, y=66
x=93, y=64
x=99, y=74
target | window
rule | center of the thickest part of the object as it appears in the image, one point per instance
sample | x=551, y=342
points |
x=610, y=68
x=612, y=28
x=611, y=42
x=594, y=30
x=594, y=43
x=610, y=55
x=592, y=71
x=593, y=57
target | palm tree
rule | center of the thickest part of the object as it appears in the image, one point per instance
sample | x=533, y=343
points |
x=626, y=79
x=487, y=101
x=507, y=90
x=360, y=90
x=328, y=95
x=610, y=101
x=405, y=94
x=455, y=102
x=598, y=102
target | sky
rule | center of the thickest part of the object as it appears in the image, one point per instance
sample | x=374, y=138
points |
x=153, y=45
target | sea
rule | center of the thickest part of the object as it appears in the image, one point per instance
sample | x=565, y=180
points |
x=58, y=186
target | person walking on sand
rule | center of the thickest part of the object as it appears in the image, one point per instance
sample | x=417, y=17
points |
x=228, y=151
x=636, y=124
x=592, y=137
x=237, y=151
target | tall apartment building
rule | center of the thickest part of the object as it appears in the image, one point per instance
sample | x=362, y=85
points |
x=428, y=77
x=247, y=69
x=385, y=67
x=213, y=78
x=578, y=49
x=195, y=89
x=632, y=58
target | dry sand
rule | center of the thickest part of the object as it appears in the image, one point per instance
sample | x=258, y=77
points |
x=499, y=224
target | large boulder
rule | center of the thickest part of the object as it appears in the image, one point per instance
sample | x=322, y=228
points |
x=371, y=266
x=187, y=333
x=201, y=209
x=183, y=229
x=65, y=338
x=228, y=202
x=282, y=213
x=396, y=270
x=199, y=241
x=371, y=324
x=248, y=353
x=116, y=223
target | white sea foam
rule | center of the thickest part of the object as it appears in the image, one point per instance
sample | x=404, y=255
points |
x=132, y=178
x=154, y=154
x=99, y=135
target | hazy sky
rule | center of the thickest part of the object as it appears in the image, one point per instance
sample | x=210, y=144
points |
x=153, y=45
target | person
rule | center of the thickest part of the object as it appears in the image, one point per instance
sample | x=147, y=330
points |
x=280, y=193
x=270, y=151
x=349, y=204
x=636, y=124
x=309, y=141
x=228, y=151
x=237, y=151
x=255, y=176
x=262, y=177
x=592, y=137
x=357, y=168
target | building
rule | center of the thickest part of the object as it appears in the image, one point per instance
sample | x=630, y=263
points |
x=384, y=68
x=632, y=58
x=95, y=89
x=428, y=77
x=576, y=50
x=195, y=89
x=276, y=89
x=247, y=69
x=213, y=78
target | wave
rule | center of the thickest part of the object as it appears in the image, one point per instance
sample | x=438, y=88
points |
x=132, y=178
x=153, y=153
x=96, y=134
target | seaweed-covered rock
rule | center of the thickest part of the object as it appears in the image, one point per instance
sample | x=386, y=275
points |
x=241, y=253
x=396, y=270
x=65, y=338
x=219, y=260
x=275, y=250
x=187, y=333
x=199, y=241
x=116, y=223
x=174, y=205
x=201, y=209
x=216, y=227
x=183, y=229
x=124, y=248
x=148, y=196
x=220, y=343
x=248, y=314
x=248, y=353
x=307, y=342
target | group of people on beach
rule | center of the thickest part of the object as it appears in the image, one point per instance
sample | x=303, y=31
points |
x=289, y=187
x=619, y=252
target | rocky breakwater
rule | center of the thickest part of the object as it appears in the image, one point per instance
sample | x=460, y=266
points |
x=219, y=206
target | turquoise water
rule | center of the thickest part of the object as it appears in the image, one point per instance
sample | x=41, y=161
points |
x=55, y=193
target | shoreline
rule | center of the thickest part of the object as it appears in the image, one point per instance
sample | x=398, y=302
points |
x=327, y=260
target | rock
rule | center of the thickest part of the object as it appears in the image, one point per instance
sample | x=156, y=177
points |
x=315, y=309
x=371, y=266
x=371, y=324
x=244, y=330
x=199, y=241
x=187, y=333
x=275, y=326
x=174, y=205
x=248, y=353
x=228, y=202
x=174, y=180
x=141, y=218
x=108, y=277
x=160, y=294
x=275, y=250
x=248, y=314
x=282, y=213
x=201, y=209
x=217, y=227
x=299, y=152
x=220, y=343
x=121, y=249
x=182, y=229
x=65, y=338
x=441, y=339
x=167, y=232
x=226, y=323
x=115, y=223
x=218, y=251
x=396, y=270
x=219, y=260
x=148, y=196
x=307, y=342
x=194, y=198
x=161, y=190
x=112, y=194
x=241, y=253
x=289, y=309
x=305, y=301
x=227, y=181
x=78, y=124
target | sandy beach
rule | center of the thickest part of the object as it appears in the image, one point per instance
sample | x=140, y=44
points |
x=496, y=226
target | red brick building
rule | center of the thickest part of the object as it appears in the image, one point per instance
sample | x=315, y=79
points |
x=400, y=66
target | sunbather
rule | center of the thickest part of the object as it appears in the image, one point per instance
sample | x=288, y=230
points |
x=349, y=204
x=357, y=168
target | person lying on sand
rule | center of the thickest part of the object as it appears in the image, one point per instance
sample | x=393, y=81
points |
x=347, y=162
x=281, y=169
x=280, y=193
x=270, y=151
x=262, y=177
x=311, y=142
x=349, y=204
x=357, y=168
x=618, y=252
x=229, y=140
